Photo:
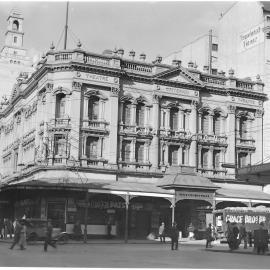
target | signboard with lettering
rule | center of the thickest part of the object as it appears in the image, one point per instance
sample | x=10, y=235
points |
x=247, y=218
x=96, y=77
x=251, y=38
x=100, y=204
x=178, y=91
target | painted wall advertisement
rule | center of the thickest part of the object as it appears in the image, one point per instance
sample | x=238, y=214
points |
x=251, y=38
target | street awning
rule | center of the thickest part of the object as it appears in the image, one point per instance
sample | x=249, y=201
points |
x=186, y=181
x=242, y=195
x=95, y=186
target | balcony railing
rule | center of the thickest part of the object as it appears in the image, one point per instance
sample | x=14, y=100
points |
x=213, y=80
x=208, y=138
x=95, y=124
x=98, y=61
x=244, y=85
x=133, y=165
x=212, y=172
x=175, y=134
x=60, y=122
x=131, y=129
x=248, y=143
x=137, y=68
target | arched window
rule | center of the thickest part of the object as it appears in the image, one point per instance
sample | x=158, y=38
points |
x=15, y=25
x=59, y=145
x=92, y=147
x=174, y=118
x=140, y=111
x=60, y=105
x=216, y=160
x=243, y=127
x=127, y=113
x=217, y=124
x=205, y=123
x=93, y=108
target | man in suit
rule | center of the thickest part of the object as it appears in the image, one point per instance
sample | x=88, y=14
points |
x=174, y=236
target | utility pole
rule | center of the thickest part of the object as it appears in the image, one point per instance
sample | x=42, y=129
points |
x=66, y=28
x=210, y=52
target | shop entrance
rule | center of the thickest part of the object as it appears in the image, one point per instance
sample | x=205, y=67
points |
x=56, y=212
x=193, y=215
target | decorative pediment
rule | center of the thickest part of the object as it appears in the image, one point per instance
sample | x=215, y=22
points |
x=61, y=90
x=220, y=111
x=127, y=97
x=179, y=74
x=142, y=99
x=205, y=108
x=95, y=92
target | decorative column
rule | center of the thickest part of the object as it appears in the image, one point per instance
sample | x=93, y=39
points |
x=237, y=127
x=147, y=116
x=167, y=119
x=166, y=154
x=181, y=119
x=85, y=111
x=200, y=122
x=154, y=148
x=121, y=108
x=193, y=130
x=187, y=149
x=102, y=109
x=258, y=123
x=133, y=149
x=146, y=151
x=211, y=123
x=199, y=156
x=113, y=137
x=222, y=125
x=188, y=121
x=230, y=128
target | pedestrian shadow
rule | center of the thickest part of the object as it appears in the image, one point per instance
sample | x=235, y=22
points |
x=236, y=252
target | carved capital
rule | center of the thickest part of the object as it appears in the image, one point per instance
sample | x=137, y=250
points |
x=49, y=87
x=115, y=91
x=194, y=104
x=76, y=86
x=156, y=98
x=231, y=109
x=259, y=113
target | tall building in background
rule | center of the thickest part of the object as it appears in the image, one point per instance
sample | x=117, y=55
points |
x=244, y=45
x=13, y=56
x=201, y=52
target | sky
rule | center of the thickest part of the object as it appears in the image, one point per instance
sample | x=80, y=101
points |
x=155, y=28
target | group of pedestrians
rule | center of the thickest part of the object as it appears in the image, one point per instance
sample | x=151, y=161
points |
x=173, y=233
x=6, y=228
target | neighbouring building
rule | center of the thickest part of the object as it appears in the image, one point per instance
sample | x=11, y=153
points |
x=244, y=45
x=13, y=55
x=202, y=51
x=104, y=138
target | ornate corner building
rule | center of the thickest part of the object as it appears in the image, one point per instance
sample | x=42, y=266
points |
x=103, y=138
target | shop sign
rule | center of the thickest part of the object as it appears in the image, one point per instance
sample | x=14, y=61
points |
x=178, y=91
x=96, y=77
x=245, y=101
x=251, y=219
x=109, y=204
x=26, y=202
x=182, y=195
x=251, y=38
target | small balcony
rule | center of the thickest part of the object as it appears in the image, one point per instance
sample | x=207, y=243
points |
x=245, y=143
x=135, y=130
x=212, y=172
x=96, y=126
x=175, y=134
x=212, y=139
x=60, y=123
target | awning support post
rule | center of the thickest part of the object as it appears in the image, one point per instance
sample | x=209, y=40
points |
x=126, y=218
x=173, y=209
x=85, y=217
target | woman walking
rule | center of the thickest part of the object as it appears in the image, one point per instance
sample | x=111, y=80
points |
x=161, y=232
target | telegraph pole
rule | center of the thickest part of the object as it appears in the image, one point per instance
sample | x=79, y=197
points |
x=66, y=28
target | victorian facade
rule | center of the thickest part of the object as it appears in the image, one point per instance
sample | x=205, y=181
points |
x=104, y=138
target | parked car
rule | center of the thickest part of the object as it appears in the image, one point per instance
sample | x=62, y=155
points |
x=36, y=230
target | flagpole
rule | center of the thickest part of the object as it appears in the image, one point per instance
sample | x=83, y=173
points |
x=66, y=28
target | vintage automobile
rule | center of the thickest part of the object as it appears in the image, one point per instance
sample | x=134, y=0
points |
x=36, y=230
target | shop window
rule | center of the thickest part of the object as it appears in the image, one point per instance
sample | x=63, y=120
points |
x=216, y=160
x=205, y=123
x=214, y=47
x=92, y=147
x=173, y=155
x=139, y=154
x=60, y=105
x=59, y=145
x=93, y=108
x=204, y=158
x=174, y=119
x=126, y=151
x=140, y=111
x=127, y=113
x=217, y=124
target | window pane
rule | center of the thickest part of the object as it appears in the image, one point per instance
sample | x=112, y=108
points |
x=140, y=114
x=205, y=123
x=127, y=113
x=216, y=160
x=92, y=148
x=60, y=105
x=243, y=128
x=126, y=151
x=139, y=152
x=174, y=119
x=204, y=158
x=93, y=108
x=217, y=123
x=173, y=155
x=59, y=145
